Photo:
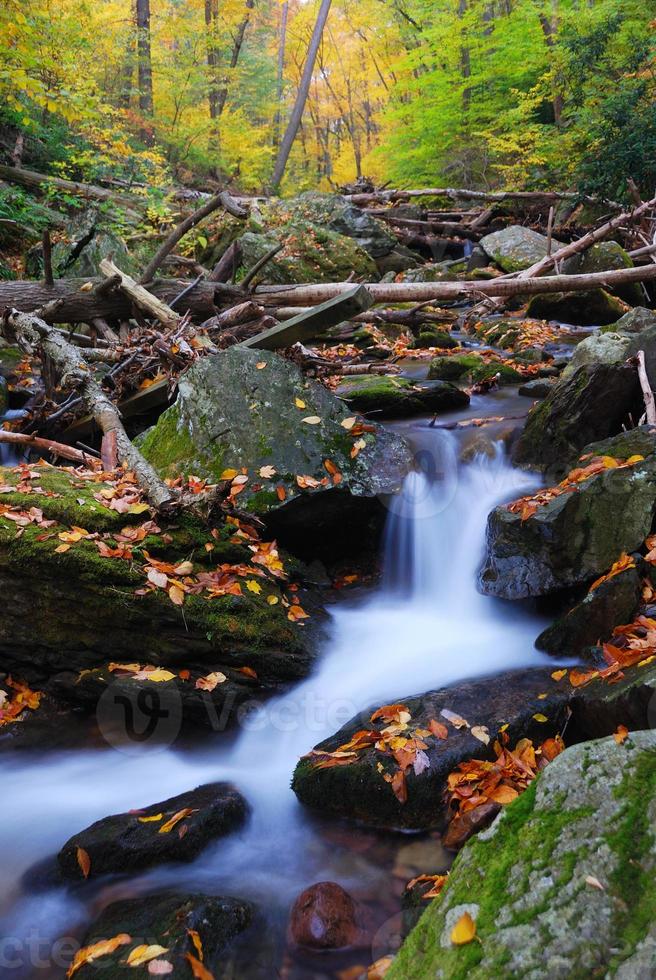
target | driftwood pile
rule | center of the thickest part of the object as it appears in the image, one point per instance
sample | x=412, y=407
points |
x=143, y=334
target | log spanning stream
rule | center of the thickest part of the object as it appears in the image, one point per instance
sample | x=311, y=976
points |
x=425, y=626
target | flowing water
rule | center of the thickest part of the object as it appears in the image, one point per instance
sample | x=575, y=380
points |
x=425, y=627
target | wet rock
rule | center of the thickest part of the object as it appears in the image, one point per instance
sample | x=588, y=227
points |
x=90, y=614
x=592, y=308
x=472, y=822
x=230, y=413
x=399, y=260
x=172, y=922
x=601, y=348
x=604, y=257
x=578, y=825
x=179, y=830
x=576, y=536
x=612, y=603
x=596, y=402
x=538, y=388
x=325, y=916
x=515, y=248
x=394, y=397
x=358, y=791
x=471, y=367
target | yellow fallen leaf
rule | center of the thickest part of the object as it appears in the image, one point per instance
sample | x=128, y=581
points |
x=253, y=586
x=540, y=718
x=348, y=423
x=184, y=568
x=464, y=930
x=260, y=365
x=158, y=676
x=272, y=600
x=155, y=819
x=84, y=861
x=228, y=475
x=558, y=675
x=196, y=940
x=312, y=420
x=60, y=549
x=176, y=595
x=481, y=733
x=88, y=954
x=299, y=403
x=144, y=954
x=86, y=287
x=211, y=681
x=138, y=508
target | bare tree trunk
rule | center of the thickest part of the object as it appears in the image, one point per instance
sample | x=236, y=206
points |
x=144, y=63
x=234, y=58
x=282, y=44
x=211, y=23
x=301, y=97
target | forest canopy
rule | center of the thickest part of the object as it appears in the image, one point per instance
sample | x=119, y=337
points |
x=479, y=93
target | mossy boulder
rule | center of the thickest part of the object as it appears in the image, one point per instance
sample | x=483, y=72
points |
x=359, y=791
x=177, y=923
x=394, y=397
x=595, y=402
x=334, y=212
x=516, y=248
x=600, y=348
x=605, y=257
x=575, y=536
x=91, y=611
x=596, y=307
x=529, y=881
x=128, y=842
x=434, y=338
x=471, y=368
x=593, y=619
x=250, y=409
x=310, y=253
x=89, y=239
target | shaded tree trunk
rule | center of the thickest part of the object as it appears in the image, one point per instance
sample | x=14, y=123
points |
x=144, y=63
x=282, y=44
x=301, y=97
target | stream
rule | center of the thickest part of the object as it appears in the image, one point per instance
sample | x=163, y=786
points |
x=423, y=627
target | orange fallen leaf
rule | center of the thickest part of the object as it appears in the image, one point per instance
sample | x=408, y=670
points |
x=88, y=954
x=621, y=734
x=199, y=971
x=84, y=861
x=438, y=729
x=175, y=820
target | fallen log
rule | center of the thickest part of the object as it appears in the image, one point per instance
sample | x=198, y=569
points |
x=424, y=292
x=461, y=193
x=45, y=445
x=140, y=296
x=452, y=228
x=81, y=303
x=40, y=182
x=34, y=335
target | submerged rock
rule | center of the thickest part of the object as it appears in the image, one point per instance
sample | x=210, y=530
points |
x=394, y=397
x=325, y=916
x=359, y=791
x=577, y=535
x=251, y=409
x=593, y=403
x=176, y=830
x=572, y=859
x=516, y=248
x=178, y=923
x=592, y=308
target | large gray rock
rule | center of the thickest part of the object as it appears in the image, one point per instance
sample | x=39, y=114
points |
x=592, y=308
x=576, y=536
x=249, y=409
x=336, y=213
x=516, y=247
x=635, y=321
x=593, y=403
x=600, y=348
x=89, y=241
x=310, y=253
x=177, y=923
x=561, y=885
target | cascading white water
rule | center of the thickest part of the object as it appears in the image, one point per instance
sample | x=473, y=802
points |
x=426, y=627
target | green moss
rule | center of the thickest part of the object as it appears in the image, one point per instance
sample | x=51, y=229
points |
x=473, y=367
x=168, y=444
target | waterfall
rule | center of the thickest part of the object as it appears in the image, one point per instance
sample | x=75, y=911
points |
x=425, y=627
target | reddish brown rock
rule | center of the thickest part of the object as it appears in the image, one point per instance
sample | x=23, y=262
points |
x=325, y=916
